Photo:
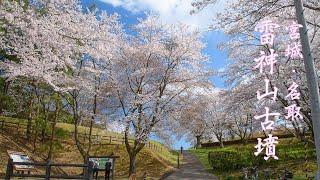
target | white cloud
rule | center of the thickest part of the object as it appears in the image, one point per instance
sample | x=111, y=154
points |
x=172, y=11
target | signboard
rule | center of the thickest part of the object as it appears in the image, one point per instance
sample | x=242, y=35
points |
x=102, y=161
x=21, y=157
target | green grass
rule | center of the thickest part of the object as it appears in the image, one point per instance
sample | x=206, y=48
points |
x=290, y=151
x=13, y=120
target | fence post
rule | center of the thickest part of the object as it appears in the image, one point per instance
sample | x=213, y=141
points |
x=178, y=161
x=9, y=171
x=48, y=169
x=123, y=140
x=2, y=125
x=110, y=139
x=89, y=174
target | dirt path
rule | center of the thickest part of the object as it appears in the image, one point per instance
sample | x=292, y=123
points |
x=191, y=169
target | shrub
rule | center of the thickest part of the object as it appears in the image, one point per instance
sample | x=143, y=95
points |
x=229, y=160
x=235, y=158
x=61, y=133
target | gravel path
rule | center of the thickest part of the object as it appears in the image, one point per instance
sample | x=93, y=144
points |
x=191, y=169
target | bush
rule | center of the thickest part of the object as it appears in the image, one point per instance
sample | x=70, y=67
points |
x=229, y=160
x=61, y=133
x=235, y=158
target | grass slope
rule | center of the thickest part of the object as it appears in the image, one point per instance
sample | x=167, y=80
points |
x=154, y=163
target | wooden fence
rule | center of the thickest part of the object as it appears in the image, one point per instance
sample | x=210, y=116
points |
x=48, y=165
x=20, y=129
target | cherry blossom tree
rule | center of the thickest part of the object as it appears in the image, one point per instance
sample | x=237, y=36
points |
x=43, y=52
x=57, y=44
x=153, y=68
x=192, y=115
x=240, y=115
x=216, y=116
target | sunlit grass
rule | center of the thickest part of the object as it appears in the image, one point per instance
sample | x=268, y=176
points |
x=163, y=152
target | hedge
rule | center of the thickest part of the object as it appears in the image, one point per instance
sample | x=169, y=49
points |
x=237, y=158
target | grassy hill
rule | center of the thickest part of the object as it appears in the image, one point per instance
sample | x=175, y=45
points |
x=291, y=153
x=155, y=160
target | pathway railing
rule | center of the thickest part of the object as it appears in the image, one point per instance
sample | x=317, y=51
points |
x=19, y=128
x=88, y=175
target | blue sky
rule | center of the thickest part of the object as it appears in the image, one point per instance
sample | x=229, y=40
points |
x=172, y=11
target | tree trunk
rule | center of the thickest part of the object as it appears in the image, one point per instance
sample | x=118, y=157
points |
x=35, y=140
x=246, y=141
x=198, y=143
x=132, y=152
x=76, y=138
x=44, y=126
x=4, y=93
x=78, y=144
x=53, y=130
x=132, y=165
x=29, y=123
x=35, y=130
x=91, y=123
x=221, y=144
x=1, y=105
x=220, y=139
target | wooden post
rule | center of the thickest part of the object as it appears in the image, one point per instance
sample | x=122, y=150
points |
x=178, y=162
x=110, y=139
x=9, y=171
x=2, y=125
x=89, y=174
x=48, y=169
x=113, y=166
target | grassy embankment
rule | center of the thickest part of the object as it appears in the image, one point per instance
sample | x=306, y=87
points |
x=154, y=163
x=291, y=153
